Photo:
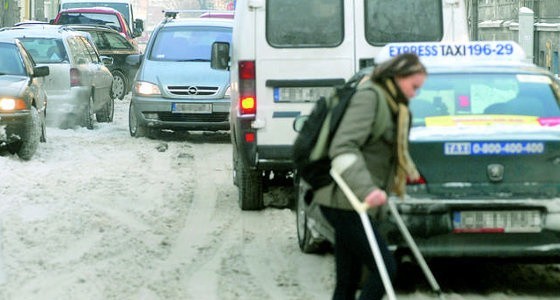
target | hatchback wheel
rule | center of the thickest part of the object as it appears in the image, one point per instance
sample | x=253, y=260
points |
x=30, y=138
x=43, y=123
x=107, y=112
x=120, y=83
x=88, y=113
x=136, y=129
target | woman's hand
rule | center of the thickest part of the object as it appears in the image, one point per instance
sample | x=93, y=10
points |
x=376, y=198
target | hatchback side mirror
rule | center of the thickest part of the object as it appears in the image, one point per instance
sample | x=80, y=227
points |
x=41, y=71
x=134, y=59
x=107, y=60
x=220, y=56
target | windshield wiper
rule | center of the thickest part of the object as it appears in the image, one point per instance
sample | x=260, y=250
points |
x=194, y=59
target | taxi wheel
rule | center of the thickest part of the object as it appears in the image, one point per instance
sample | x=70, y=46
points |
x=31, y=136
x=120, y=82
x=88, y=113
x=306, y=242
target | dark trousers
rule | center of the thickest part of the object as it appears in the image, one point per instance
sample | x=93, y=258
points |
x=352, y=252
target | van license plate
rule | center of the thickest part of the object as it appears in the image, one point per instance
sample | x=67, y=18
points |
x=192, y=108
x=301, y=94
x=497, y=221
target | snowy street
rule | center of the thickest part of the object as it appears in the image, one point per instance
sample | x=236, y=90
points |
x=101, y=215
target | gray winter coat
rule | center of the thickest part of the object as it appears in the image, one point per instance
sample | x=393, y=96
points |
x=375, y=156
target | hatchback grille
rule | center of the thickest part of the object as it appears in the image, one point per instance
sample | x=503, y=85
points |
x=175, y=117
x=192, y=90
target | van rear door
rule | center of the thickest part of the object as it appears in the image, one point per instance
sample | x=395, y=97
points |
x=303, y=49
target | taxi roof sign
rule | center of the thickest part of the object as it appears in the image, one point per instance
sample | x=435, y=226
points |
x=431, y=53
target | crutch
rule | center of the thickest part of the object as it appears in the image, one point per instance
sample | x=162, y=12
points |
x=361, y=209
x=412, y=244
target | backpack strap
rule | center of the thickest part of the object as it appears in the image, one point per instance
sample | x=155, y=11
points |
x=382, y=114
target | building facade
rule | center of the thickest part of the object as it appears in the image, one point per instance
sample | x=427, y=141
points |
x=499, y=20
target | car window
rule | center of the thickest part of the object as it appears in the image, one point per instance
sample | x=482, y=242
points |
x=78, y=50
x=90, y=50
x=296, y=23
x=187, y=43
x=45, y=50
x=11, y=62
x=110, y=20
x=402, y=20
x=123, y=8
x=110, y=41
x=485, y=94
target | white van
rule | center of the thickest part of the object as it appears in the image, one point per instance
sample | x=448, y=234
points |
x=123, y=6
x=288, y=53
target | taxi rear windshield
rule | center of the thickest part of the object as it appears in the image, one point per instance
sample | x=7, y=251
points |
x=443, y=95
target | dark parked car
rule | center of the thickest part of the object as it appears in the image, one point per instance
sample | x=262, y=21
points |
x=485, y=138
x=23, y=101
x=110, y=43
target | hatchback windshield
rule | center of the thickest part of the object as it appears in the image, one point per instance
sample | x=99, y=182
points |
x=187, y=43
x=490, y=97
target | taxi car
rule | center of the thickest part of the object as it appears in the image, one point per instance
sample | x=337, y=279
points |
x=175, y=87
x=485, y=138
x=23, y=101
x=79, y=83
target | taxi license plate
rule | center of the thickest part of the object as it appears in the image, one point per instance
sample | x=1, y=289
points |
x=192, y=108
x=497, y=221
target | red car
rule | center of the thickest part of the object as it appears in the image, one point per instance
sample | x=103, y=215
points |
x=104, y=16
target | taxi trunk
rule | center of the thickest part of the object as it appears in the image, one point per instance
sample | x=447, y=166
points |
x=515, y=167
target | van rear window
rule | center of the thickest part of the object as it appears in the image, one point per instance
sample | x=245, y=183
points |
x=320, y=23
x=301, y=24
x=403, y=21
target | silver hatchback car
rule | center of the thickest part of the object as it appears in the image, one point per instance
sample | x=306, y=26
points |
x=175, y=87
x=79, y=84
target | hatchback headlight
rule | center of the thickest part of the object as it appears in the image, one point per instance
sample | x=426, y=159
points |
x=11, y=104
x=228, y=92
x=146, y=88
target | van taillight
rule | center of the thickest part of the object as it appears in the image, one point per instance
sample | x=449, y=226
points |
x=247, y=91
x=74, y=77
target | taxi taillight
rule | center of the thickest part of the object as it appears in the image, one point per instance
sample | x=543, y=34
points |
x=418, y=181
x=247, y=90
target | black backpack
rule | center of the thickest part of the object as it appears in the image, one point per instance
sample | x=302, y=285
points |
x=310, y=149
